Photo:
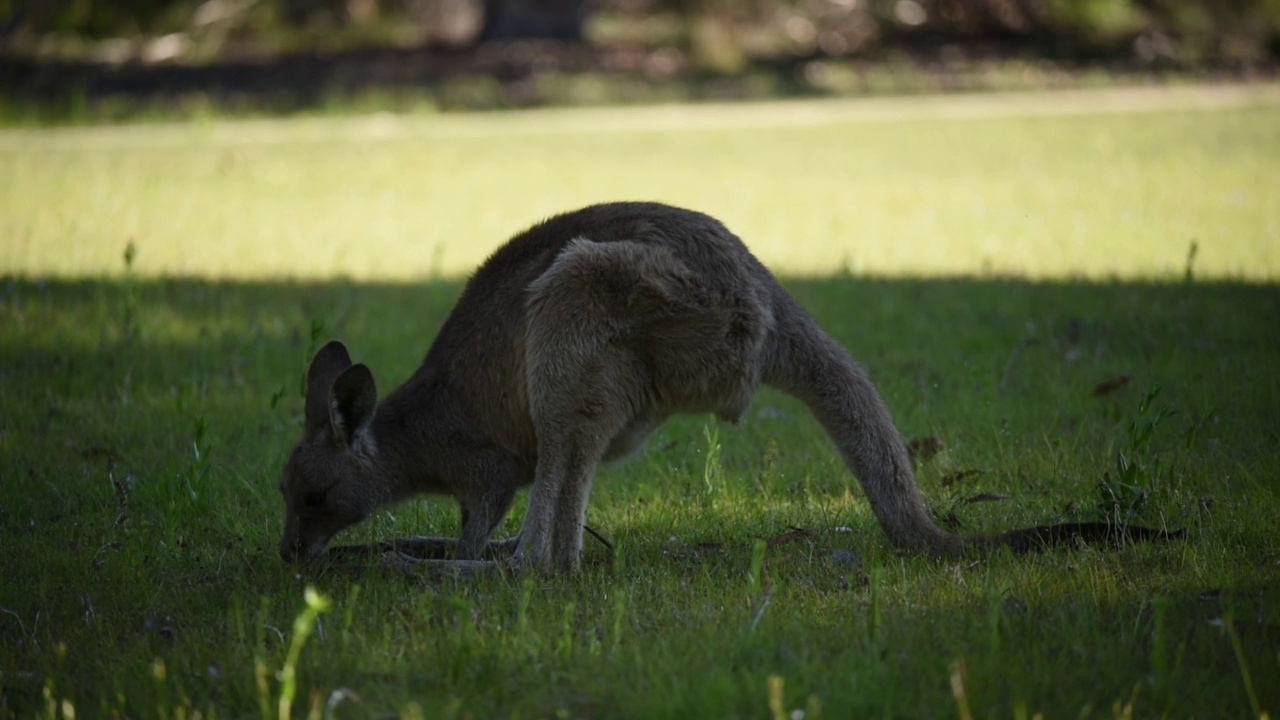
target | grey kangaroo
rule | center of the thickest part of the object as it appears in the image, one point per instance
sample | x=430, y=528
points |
x=568, y=346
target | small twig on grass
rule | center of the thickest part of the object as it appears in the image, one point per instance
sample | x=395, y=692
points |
x=792, y=534
x=985, y=497
x=1106, y=387
x=436, y=567
x=599, y=537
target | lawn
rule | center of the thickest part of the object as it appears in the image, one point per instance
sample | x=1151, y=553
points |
x=1071, y=299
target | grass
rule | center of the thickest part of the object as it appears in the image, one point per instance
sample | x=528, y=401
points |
x=1005, y=184
x=999, y=275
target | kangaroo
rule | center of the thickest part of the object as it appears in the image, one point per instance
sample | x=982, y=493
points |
x=567, y=348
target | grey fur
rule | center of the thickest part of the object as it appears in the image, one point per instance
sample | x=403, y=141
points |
x=568, y=347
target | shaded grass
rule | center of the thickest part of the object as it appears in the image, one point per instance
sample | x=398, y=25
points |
x=102, y=581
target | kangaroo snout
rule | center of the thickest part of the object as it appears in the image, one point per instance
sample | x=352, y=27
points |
x=289, y=552
x=297, y=545
x=293, y=551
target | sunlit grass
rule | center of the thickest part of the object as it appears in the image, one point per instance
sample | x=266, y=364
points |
x=1032, y=185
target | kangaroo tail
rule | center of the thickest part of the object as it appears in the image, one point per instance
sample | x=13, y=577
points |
x=1037, y=538
x=801, y=359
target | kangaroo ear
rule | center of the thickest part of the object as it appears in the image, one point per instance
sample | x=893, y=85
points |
x=331, y=360
x=352, y=401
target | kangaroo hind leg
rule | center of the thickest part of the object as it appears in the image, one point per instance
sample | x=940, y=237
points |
x=590, y=392
x=573, y=437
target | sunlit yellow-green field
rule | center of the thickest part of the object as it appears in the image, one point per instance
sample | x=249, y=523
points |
x=1096, y=184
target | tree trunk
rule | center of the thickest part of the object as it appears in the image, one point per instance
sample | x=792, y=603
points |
x=528, y=19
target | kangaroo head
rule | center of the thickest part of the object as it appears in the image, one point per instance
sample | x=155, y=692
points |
x=328, y=483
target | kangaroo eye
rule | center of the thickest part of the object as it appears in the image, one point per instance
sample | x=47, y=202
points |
x=313, y=500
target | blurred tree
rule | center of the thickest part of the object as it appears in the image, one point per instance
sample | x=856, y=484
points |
x=526, y=19
x=720, y=35
x=303, y=13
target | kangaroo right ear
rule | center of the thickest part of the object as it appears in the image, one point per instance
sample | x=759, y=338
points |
x=328, y=363
x=352, y=401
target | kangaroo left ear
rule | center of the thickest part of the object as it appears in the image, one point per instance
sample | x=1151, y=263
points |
x=352, y=402
x=329, y=361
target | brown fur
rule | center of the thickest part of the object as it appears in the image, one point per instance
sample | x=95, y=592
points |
x=568, y=347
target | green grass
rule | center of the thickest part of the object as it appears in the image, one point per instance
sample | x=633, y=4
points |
x=1018, y=184
x=1004, y=266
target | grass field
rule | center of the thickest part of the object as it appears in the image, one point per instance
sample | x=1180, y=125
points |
x=1016, y=272
x=1031, y=185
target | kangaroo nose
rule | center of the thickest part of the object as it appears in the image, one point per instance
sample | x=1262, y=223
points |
x=298, y=551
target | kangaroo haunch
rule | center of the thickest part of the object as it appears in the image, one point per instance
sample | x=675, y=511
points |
x=567, y=348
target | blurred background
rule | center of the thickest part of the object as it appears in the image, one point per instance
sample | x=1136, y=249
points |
x=92, y=60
